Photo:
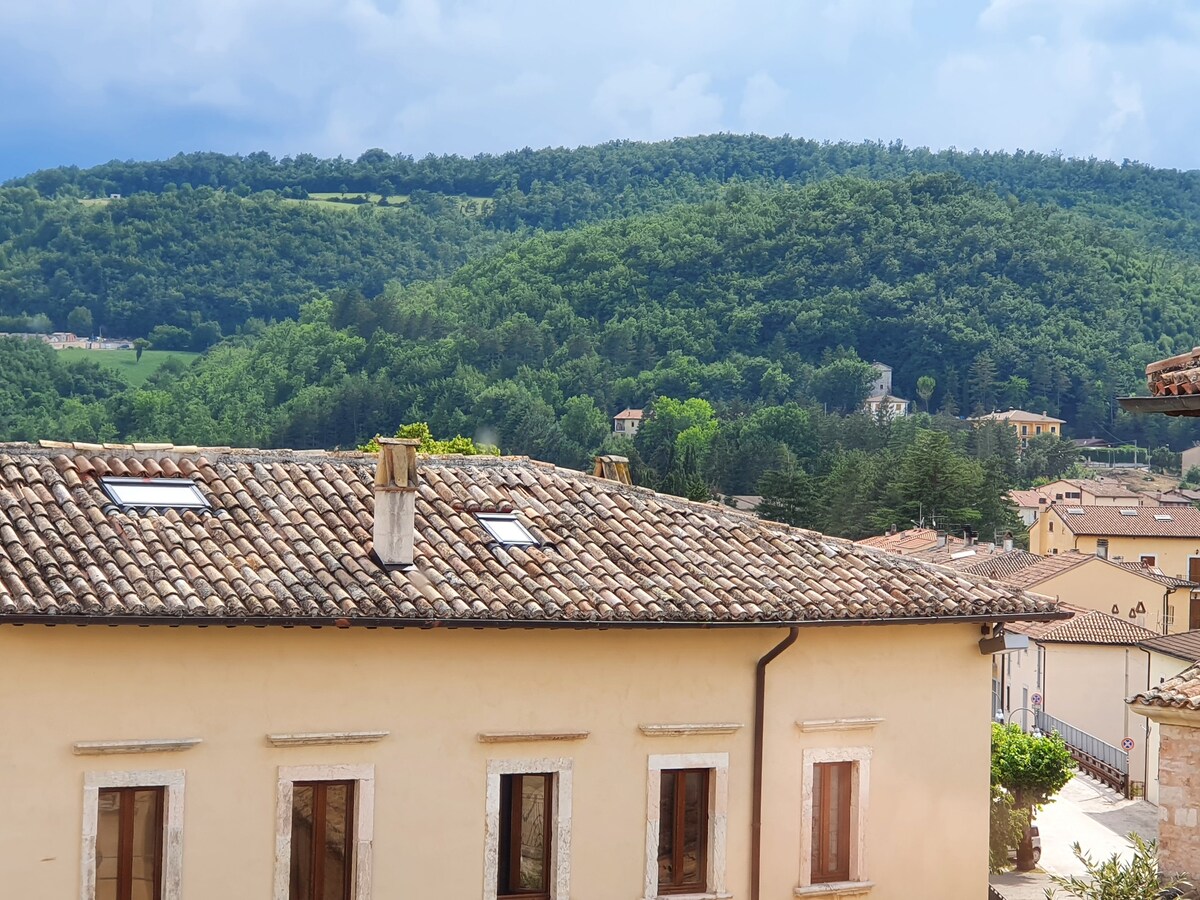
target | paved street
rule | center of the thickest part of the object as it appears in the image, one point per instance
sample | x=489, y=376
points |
x=1091, y=814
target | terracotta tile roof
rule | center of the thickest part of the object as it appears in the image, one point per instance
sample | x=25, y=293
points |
x=1104, y=488
x=1154, y=574
x=1018, y=414
x=1087, y=626
x=290, y=539
x=1185, y=645
x=1024, y=569
x=629, y=414
x=903, y=542
x=1019, y=568
x=1104, y=521
x=1031, y=498
x=1180, y=692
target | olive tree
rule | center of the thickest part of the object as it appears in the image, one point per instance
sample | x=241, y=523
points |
x=1116, y=879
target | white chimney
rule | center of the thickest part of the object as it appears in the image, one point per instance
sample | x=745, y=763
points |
x=395, y=500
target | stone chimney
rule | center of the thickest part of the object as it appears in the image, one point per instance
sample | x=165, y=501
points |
x=395, y=500
x=1008, y=541
x=614, y=468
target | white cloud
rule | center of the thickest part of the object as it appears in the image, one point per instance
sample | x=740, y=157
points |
x=646, y=100
x=763, y=103
x=1113, y=77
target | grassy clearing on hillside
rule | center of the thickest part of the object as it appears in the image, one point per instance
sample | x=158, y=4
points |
x=96, y=201
x=124, y=362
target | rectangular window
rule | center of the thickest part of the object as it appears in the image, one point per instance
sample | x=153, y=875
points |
x=831, y=822
x=527, y=842
x=324, y=832
x=1148, y=561
x=322, y=840
x=683, y=831
x=132, y=835
x=526, y=816
x=129, y=843
x=1024, y=429
x=834, y=813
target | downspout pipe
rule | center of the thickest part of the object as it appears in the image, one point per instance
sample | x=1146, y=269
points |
x=760, y=703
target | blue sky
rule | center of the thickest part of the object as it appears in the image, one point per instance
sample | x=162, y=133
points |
x=84, y=82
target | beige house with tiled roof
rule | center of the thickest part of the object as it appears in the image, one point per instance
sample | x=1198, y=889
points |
x=1166, y=539
x=470, y=677
x=1079, y=672
x=1174, y=707
x=627, y=422
x=1027, y=425
x=1119, y=606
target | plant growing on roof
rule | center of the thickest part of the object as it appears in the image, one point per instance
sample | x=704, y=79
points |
x=1032, y=770
x=1116, y=879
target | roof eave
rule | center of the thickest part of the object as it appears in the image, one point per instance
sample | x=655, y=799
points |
x=50, y=619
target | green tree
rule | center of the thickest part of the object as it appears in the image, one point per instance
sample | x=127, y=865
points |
x=79, y=321
x=139, y=347
x=1116, y=878
x=788, y=496
x=981, y=384
x=1007, y=826
x=842, y=384
x=926, y=385
x=1031, y=769
x=934, y=480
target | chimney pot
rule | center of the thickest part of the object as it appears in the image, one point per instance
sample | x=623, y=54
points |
x=395, y=500
x=614, y=468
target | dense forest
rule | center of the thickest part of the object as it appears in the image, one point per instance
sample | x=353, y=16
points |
x=735, y=285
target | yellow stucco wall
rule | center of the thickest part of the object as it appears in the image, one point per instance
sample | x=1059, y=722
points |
x=1084, y=685
x=435, y=690
x=1100, y=585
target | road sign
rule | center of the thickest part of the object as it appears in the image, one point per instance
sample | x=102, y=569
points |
x=1036, y=699
x=1127, y=744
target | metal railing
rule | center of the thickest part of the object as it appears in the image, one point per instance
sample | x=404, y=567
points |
x=1101, y=760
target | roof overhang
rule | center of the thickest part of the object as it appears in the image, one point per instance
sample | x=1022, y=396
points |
x=50, y=619
x=1182, y=405
x=1166, y=715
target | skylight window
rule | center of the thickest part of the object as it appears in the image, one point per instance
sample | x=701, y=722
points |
x=1129, y=512
x=506, y=529
x=159, y=493
x=1162, y=517
x=1074, y=510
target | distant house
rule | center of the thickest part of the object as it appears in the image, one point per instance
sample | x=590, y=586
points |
x=880, y=399
x=1095, y=492
x=888, y=406
x=1074, y=679
x=906, y=542
x=627, y=422
x=1029, y=504
x=1163, y=539
x=1027, y=425
x=1189, y=458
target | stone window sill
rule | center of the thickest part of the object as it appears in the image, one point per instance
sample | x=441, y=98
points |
x=836, y=889
x=706, y=896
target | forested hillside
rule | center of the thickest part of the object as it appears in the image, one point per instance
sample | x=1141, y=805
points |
x=202, y=257
x=559, y=187
x=735, y=285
